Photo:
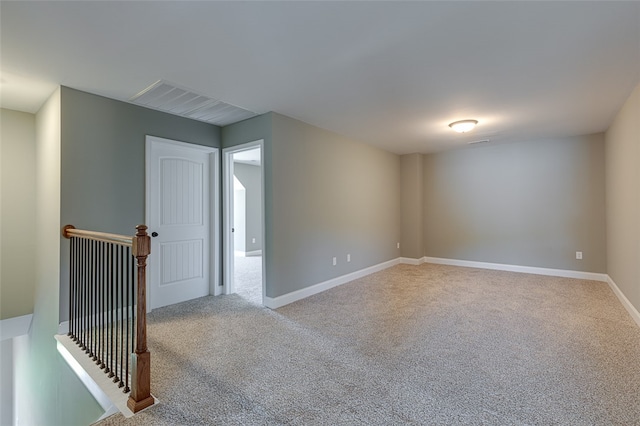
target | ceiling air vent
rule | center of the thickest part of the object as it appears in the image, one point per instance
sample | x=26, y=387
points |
x=479, y=141
x=168, y=97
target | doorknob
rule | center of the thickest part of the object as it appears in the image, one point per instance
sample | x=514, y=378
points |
x=154, y=234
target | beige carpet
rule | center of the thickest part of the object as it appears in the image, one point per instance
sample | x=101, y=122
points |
x=423, y=344
x=248, y=278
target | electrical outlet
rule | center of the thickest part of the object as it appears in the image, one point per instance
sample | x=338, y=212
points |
x=398, y=245
x=579, y=255
x=253, y=240
x=348, y=257
x=335, y=261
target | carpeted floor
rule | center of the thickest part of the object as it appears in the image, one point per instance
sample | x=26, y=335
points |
x=427, y=344
x=248, y=278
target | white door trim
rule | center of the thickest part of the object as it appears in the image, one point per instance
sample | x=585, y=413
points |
x=214, y=214
x=227, y=215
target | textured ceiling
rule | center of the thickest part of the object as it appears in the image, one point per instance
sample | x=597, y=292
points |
x=392, y=74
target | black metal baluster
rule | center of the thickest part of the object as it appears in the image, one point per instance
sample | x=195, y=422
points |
x=80, y=292
x=76, y=307
x=90, y=301
x=82, y=303
x=87, y=307
x=122, y=324
x=94, y=269
x=102, y=301
x=128, y=284
x=72, y=291
x=96, y=357
x=87, y=295
x=90, y=282
x=103, y=327
x=133, y=302
x=94, y=302
x=111, y=266
x=116, y=323
x=70, y=333
x=113, y=315
x=100, y=360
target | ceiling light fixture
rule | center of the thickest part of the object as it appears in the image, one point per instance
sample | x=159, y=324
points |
x=463, y=126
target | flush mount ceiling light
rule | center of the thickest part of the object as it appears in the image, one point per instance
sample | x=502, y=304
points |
x=463, y=126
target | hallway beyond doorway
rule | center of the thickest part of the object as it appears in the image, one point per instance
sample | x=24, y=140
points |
x=248, y=278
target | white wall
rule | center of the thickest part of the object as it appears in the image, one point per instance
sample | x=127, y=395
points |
x=46, y=390
x=18, y=212
x=42, y=384
x=239, y=216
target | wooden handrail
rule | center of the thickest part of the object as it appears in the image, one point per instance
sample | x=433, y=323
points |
x=70, y=231
x=140, y=244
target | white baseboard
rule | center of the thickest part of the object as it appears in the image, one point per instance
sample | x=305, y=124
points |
x=411, y=261
x=285, y=299
x=625, y=302
x=516, y=268
x=14, y=327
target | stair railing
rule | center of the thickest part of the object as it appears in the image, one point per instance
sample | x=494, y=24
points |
x=107, y=306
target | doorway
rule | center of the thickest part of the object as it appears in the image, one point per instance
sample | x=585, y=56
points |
x=181, y=214
x=244, y=221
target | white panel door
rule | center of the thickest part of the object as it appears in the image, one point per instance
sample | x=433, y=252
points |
x=179, y=222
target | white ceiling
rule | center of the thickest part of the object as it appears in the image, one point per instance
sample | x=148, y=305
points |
x=392, y=74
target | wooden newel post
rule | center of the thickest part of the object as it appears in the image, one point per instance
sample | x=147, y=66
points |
x=140, y=396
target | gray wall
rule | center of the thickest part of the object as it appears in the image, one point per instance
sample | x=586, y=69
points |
x=412, y=206
x=531, y=203
x=623, y=199
x=103, y=163
x=331, y=196
x=17, y=230
x=250, y=177
x=325, y=196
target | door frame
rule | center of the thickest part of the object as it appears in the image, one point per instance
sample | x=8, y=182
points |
x=227, y=216
x=214, y=205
